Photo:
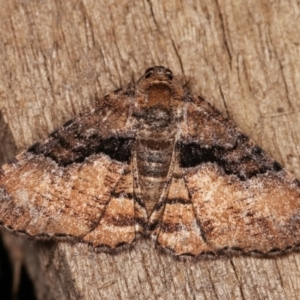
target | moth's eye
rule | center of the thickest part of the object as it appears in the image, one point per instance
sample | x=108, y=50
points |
x=148, y=72
x=169, y=74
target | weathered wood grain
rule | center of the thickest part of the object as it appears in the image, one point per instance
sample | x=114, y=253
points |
x=242, y=56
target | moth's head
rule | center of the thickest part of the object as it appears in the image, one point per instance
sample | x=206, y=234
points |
x=159, y=73
x=160, y=86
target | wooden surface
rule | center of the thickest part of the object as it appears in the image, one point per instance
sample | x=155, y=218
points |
x=242, y=56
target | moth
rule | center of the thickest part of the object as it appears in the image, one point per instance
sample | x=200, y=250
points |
x=151, y=160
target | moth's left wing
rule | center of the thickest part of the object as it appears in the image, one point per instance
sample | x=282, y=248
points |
x=60, y=187
x=242, y=199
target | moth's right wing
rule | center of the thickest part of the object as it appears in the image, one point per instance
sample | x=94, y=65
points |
x=61, y=186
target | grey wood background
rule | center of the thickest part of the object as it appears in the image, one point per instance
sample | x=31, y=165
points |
x=240, y=55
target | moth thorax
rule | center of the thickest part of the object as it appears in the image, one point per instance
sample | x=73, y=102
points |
x=157, y=118
x=159, y=94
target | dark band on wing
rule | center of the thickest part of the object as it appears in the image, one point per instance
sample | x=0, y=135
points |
x=170, y=227
x=66, y=151
x=122, y=195
x=120, y=220
x=178, y=200
x=244, y=159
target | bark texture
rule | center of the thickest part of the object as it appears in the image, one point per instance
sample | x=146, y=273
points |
x=242, y=56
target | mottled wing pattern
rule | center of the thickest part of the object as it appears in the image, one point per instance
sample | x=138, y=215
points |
x=178, y=229
x=242, y=199
x=106, y=127
x=117, y=225
x=152, y=160
x=61, y=186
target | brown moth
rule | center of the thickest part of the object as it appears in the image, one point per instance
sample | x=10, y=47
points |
x=152, y=160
